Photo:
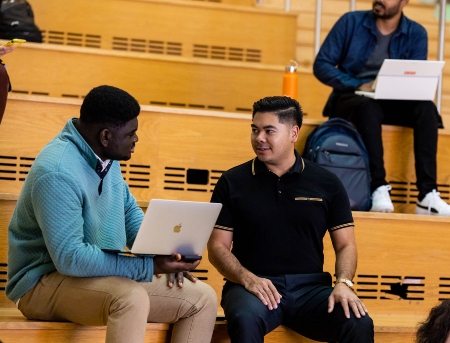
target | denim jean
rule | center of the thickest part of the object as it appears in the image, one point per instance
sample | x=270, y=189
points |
x=303, y=308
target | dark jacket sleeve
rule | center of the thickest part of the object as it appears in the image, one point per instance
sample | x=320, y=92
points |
x=331, y=54
x=4, y=88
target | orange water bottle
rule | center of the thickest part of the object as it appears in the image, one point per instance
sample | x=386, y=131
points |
x=290, y=80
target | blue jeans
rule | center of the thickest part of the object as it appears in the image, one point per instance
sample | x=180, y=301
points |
x=303, y=308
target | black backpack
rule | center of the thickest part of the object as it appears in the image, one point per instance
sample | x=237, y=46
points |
x=337, y=146
x=17, y=21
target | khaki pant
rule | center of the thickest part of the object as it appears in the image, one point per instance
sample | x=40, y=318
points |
x=125, y=306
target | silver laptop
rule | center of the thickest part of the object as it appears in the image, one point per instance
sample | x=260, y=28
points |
x=175, y=227
x=406, y=80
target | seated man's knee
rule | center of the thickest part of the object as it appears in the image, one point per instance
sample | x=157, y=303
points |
x=365, y=323
x=244, y=311
x=130, y=296
x=426, y=106
x=207, y=297
x=367, y=112
x=358, y=327
x=427, y=110
x=245, y=324
x=245, y=316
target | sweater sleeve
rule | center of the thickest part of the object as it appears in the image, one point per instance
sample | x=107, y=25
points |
x=58, y=207
x=133, y=215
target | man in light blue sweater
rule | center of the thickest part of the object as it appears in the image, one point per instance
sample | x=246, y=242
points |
x=73, y=203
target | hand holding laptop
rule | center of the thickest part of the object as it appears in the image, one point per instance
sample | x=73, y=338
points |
x=181, y=267
x=176, y=233
x=166, y=264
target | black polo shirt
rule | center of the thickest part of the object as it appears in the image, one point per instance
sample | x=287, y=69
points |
x=278, y=223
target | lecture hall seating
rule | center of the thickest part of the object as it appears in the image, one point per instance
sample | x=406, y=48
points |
x=160, y=169
x=180, y=28
x=232, y=86
x=398, y=287
x=237, y=76
x=212, y=142
x=386, y=242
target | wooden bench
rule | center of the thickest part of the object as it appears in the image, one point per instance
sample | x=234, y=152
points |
x=14, y=328
x=228, y=31
x=71, y=72
x=175, y=28
x=173, y=81
x=212, y=142
x=401, y=274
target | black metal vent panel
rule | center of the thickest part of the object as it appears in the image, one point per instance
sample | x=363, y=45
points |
x=227, y=53
x=3, y=276
x=136, y=175
x=215, y=1
x=406, y=192
x=152, y=46
x=444, y=288
x=190, y=179
x=8, y=168
x=147, y=46
x=390, y=287
x=14, y=168
x=19, y=91
x=186, y=105
x=72, y=39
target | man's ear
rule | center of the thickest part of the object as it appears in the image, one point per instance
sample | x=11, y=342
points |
x=105, y=137
x=294, y=133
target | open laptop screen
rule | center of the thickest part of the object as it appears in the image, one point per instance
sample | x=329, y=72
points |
x=406, y=80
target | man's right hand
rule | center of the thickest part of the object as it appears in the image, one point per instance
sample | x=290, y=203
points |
x=366, y=87
x=172, y=264
x=264, y=290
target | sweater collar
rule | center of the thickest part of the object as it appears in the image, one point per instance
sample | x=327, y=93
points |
x=70, y=133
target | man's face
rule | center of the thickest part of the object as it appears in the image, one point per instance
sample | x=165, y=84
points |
x=122, y=141
x=387, y=9
x=271, y=140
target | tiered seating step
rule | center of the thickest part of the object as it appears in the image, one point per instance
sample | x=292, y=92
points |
x=14, y=328
x=212, y=141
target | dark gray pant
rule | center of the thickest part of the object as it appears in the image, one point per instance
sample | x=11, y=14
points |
x=303, y=308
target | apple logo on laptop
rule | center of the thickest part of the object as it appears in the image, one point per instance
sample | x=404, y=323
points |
x=177, y=228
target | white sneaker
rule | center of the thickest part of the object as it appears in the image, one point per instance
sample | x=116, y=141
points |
x=433, y=204
x=381, y=201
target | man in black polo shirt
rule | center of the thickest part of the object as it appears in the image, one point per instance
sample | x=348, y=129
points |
x=276, y=211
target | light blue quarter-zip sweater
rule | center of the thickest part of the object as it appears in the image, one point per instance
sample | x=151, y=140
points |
x=61, y=222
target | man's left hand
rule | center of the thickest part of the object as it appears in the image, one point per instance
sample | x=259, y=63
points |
x=6, y=49
x=348, y=299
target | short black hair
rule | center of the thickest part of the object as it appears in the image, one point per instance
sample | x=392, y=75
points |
x=108, y=105
x=286, y=108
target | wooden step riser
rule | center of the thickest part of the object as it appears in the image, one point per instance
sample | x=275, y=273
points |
x=97, y=335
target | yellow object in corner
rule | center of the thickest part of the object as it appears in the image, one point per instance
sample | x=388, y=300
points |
x=14, y=42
